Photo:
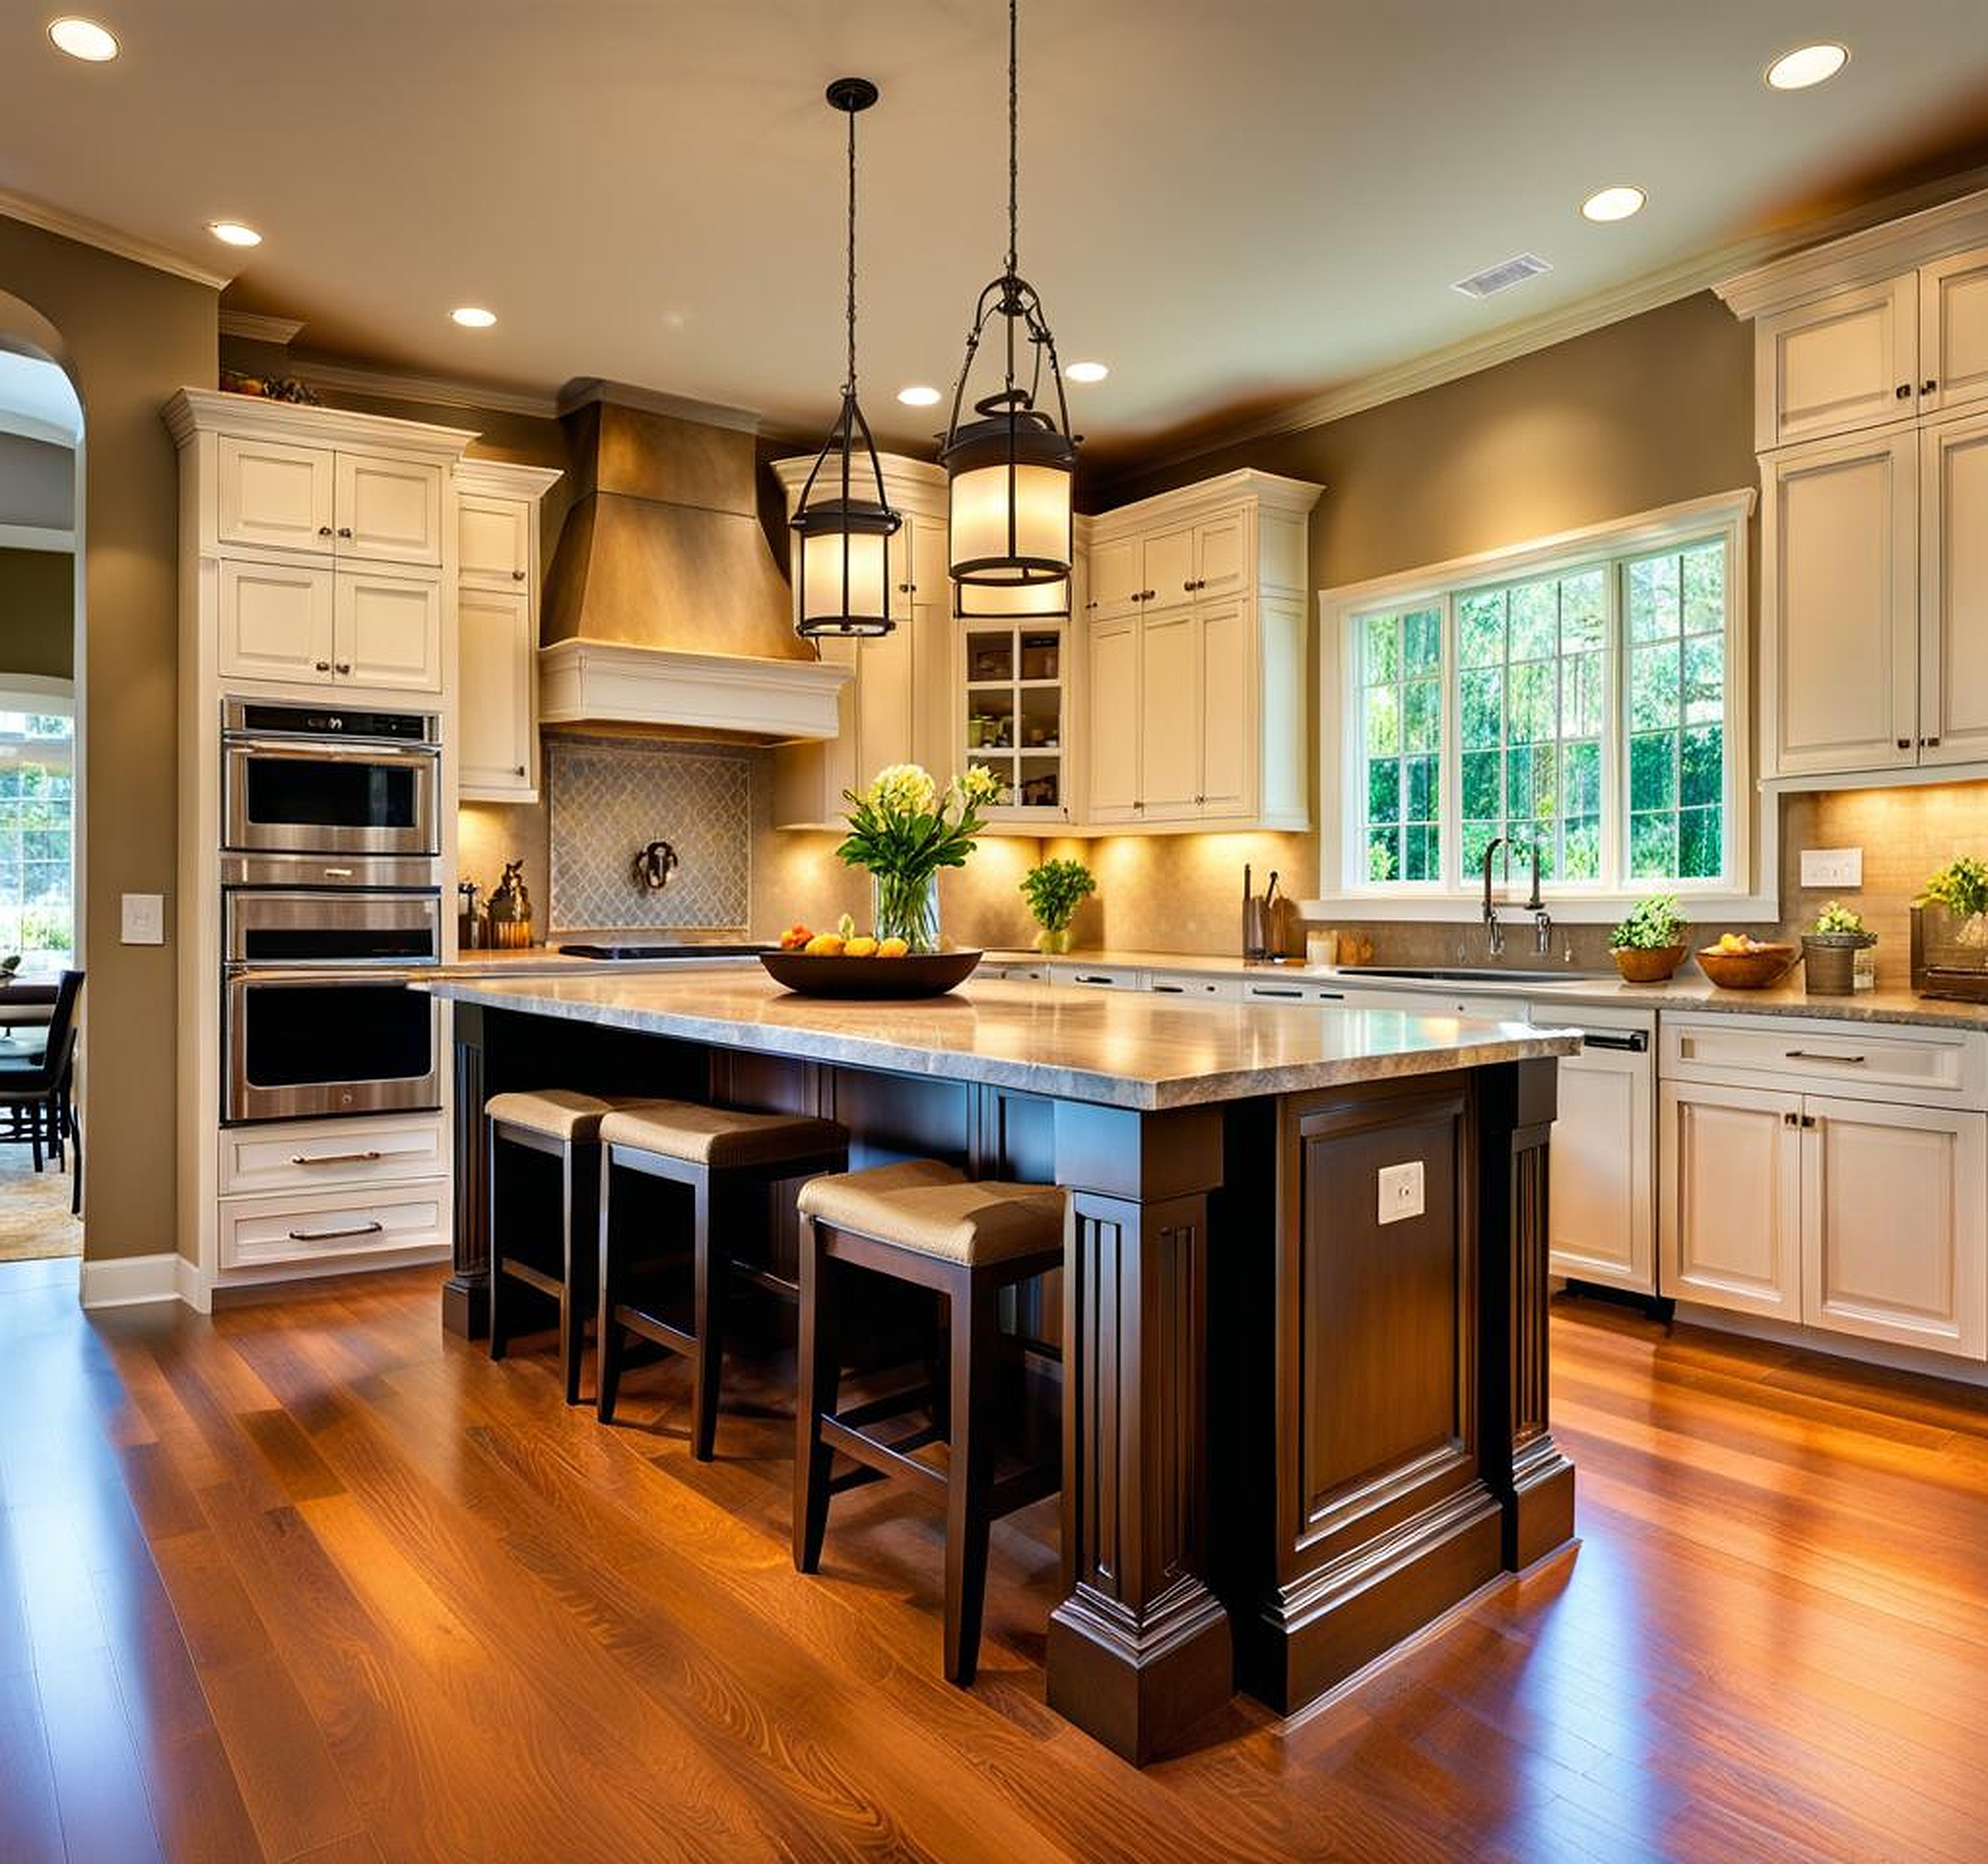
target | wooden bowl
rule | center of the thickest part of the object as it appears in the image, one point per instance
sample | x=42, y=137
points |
x=1646, y=966
x=929, y=973
x=1750, y=969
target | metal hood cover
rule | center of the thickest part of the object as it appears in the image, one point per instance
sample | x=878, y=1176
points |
x=664, y=608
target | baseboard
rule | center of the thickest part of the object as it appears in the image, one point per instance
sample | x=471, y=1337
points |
x=136, y=1281
x=1837, y=1346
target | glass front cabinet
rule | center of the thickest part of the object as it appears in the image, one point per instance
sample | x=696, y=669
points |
x=1013, y=709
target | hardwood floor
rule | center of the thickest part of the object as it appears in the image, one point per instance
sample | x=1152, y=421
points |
x=314, y=1581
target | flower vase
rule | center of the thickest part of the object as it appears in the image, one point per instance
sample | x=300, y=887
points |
x=907, y=909
x=1053, y=942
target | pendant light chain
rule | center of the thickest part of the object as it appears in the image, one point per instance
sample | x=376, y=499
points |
x=1014, y=167
x=849, y=381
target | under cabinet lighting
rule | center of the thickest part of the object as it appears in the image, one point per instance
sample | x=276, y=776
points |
x=474, y=317
x=1613, y=202
x=1807, y=65
x=83, y=39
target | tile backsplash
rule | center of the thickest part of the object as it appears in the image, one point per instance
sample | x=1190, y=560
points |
x=610, y=798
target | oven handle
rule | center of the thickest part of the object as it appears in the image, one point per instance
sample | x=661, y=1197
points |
x=1628, y=1041
x=336, y=1236
x=316, y=750
x=342, y=971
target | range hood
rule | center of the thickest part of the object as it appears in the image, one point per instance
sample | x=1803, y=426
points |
x=665, y=611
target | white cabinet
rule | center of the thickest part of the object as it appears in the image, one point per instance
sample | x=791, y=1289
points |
x=1602, y=1209
x=1954, y=332
x=1113, y=732
x=1117, y=578
x=1225, y=701
x=1169, y=716
x=497, y=634
x=274, y=622
x=1730, y=1227
x=1172, y=561
x=387, y=510
x=274, y=495
x=387, y=630
x=1847, y=362
x=494, y=541
x=1953, y=591
x=1840, y=536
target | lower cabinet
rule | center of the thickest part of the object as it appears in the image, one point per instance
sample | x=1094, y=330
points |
x=1602, y=1207
x=1730, y=1232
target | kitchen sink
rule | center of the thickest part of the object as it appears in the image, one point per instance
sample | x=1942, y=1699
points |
x=1469, y=974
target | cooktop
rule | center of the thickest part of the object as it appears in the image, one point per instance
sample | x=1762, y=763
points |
x=684, y=949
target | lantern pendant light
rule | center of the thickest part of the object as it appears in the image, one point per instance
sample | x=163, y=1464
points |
x=1010, y=473
x=843, y=578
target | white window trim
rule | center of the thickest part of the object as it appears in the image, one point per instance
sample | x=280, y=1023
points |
x=1752, y=822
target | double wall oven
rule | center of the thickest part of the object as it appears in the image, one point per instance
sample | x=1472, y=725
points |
x=331, y=909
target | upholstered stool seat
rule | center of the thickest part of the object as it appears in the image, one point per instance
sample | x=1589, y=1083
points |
x=922, y=1222
x=722, y=1156
x=563, y=1124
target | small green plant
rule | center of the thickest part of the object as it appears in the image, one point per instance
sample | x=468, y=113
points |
x=1961, y=887
x=1836, y=918
x=1655, y=925
x=1055, y=890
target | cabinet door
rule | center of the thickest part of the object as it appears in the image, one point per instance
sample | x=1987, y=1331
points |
x=1225, y=683
x=1221, y=554
x=1848, y=361
x=1895, y=1224
x=1116, y=586
x=276, y=621
x=1169, y=567
x=493, y=541
x=1841, y=594
x=1954, y=330
x=388, y=631
x=494, y=707
x=1729, y=1232
x=273, y=494
x=1170, y=717
x=388, y=511
x=1602, y=1219
x=1114, y=714
x=1953, y=591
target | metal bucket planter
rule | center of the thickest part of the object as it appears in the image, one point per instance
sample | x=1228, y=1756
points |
x=1829, y=961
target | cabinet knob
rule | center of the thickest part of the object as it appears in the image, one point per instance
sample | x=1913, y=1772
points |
x=904, y=588
x=1904, y=744
x=323, y=666
x=345, y=530
x=517, y=575
x=519, y=771
x=343, y=666
x=1932, y=743
x=1150, y=593
x=324, y=530
x=1903, y=391
x=1927, y=387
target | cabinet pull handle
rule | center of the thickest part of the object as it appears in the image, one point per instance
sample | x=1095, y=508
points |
x=1810, y=1121
x=345, y=530
x=1932, y=743
x=517, y=575
x=1086, y=977
x=324, y=530
x=323, y=666
x=1904, y=744
x=519, y=771
x=342, y=666
x=334, y=1158
x=1930, y=384
x=1841, y=1061
x=335, y=1236
x=1268, y=989
x=1168, y=990
x=1791, y=1119
x=1903, y=391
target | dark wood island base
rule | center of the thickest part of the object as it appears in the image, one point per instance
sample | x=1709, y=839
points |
x=1294, y=1434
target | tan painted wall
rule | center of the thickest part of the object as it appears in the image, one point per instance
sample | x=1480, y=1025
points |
x=130, y=337
x=38, y=613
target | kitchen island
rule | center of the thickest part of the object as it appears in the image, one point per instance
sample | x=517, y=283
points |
x=1302, y=1328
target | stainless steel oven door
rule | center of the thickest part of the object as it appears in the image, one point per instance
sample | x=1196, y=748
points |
x=305, y=1044
x=300, y=796
x=295, y=926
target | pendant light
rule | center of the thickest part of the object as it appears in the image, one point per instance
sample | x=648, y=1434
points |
x=1010, y=473
x=844, y=574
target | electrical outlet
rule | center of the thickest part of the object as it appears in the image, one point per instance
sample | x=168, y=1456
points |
x=1400, y=1191
x=1832, y=866
x=144, y=919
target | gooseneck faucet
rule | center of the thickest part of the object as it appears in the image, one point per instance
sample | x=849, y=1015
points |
x=1494, y=932
x=1541, y=919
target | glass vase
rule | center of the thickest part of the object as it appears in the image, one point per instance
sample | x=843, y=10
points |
x=1053, y=942
x=907, y=908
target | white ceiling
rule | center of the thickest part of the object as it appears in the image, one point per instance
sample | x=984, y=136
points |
x=1231, y=203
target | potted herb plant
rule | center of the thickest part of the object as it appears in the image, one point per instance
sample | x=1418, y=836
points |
x=902, y=830
x=1950, y=927
x=1649, y=945
x=1054, y=891
x=1829, y=951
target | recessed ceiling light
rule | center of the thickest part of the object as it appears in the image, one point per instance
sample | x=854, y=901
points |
x=83, y=39
x=1807, y=65
x=1087, y=371
x=232, y=232
x=1613, y=202
x=919, y=394
x=474, y=317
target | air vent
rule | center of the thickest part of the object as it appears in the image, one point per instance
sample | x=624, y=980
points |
x=1503, y=277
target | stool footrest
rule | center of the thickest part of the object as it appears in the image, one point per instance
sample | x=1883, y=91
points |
x=892, y=1404
x=886, y=1458
x=642, y=1322
x=531, y=1277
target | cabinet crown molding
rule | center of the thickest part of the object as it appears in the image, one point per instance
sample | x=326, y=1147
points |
x=1271, y=490
x=505, y=479
x=194, y=411
x=917, y=486
x=1858, y=258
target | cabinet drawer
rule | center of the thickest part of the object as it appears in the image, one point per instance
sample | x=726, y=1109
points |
x=1858, y=1062
x=305, y=1156
x=1164, y=983
x=1098, y=977
x=1437, y=1002
x=267, y=1232
x=1295, y=990
x=1015, y=974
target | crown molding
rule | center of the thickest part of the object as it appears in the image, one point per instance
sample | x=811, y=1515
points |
x=204, y=410
x=1273, y=490
x=86, y=231
x=1704, y=271
x=393, y=385
x=257, y=328
x=586, y=389
x=505, y=479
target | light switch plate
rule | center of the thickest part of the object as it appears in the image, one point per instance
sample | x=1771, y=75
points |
x=144, y=919
x=1400, y=1191
x=1832, y=866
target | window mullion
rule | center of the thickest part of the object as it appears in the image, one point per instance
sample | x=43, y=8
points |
x=1616, y=762
x=1450, y=761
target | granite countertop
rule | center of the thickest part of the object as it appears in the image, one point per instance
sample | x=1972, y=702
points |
x=549, y=960
x=1117, y=1049
x=1691, y=991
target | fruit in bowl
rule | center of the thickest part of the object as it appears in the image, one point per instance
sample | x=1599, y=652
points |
x=1740, y=962
x=795, y=938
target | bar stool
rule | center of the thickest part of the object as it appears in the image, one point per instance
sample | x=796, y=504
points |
x=718, y=1154
x=563, y=1124
x=925, y=1224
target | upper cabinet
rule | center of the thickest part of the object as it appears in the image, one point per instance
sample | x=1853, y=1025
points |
x=1169, y=563
x=273, y=495
x=1848, y=361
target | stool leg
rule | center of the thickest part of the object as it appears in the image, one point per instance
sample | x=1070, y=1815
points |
x=578, y=1248
x=817, y=1387
x=607, y=1372
x=970, y=1477
x=499, y=1317
x=707, y=1321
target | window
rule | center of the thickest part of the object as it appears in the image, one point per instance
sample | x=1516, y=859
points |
x=1573, y=705
x=37, y=912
